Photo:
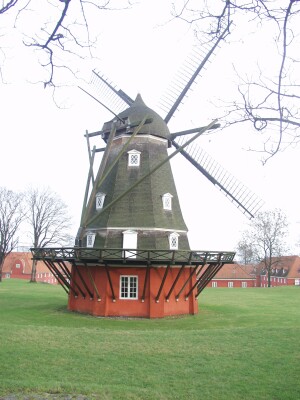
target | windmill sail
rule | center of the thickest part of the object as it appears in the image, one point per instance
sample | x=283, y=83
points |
x=238, y=193
x=190, y=71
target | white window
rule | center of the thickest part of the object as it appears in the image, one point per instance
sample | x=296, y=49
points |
x=134, y=158
x=244, y=284
x=230, y=284
x=100, y=200
x=214, y=284
x=173, y=241
x=129, y=243
x=18, y=265
x=90, y=239
x=297, y=282
x=167, y=201
x=128, y=287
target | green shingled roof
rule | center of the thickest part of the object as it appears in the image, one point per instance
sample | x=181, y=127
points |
x=135, y=114
x=142, y=208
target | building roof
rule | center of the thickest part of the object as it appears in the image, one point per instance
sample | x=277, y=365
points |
x=286, y=266
x=133, y=115
x=236, y=271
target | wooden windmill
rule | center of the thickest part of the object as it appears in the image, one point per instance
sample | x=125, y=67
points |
x=132, y=255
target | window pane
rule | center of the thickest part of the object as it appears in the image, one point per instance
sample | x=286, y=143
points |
x=124, y=286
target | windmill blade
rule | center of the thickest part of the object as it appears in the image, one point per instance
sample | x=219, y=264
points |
x=187, y=76
x=113, y=99
x=244, y=199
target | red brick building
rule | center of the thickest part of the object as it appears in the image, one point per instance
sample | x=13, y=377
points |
x=18, y=265
x=235, y=275
x=285, y=272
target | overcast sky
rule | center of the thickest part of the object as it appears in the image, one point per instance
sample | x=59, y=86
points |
x=43, y=145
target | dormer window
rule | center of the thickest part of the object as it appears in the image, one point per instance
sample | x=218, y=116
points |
x=90, y=239
x=167, y=201
x=173, y=241
x=134, y=158
x=100, y=200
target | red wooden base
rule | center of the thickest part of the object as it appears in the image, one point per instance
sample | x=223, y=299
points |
x=161, y=292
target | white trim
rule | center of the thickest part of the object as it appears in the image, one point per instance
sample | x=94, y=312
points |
x=128, y=287
x=152, y=137
x=173, y=241
x=135, y=228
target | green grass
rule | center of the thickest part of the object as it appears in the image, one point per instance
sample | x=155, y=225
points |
x=243, y=344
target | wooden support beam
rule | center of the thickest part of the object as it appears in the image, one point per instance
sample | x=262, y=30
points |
x=196, y=283
x=64, y=268
x=80, y=277
x=186, y=282
x=211, y=274
x=110, y=283
x=90, y=202
x=175, y=281
x=84, y=283
x=162, y=283
x=93, y=282
x=54, y=271
x=145, y=282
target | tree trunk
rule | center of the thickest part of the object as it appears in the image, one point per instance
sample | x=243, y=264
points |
x=269, y=278
x=33, y=271
x=1, y=266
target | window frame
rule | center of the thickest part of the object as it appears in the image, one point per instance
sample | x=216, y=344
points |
x=132, y=153
x=90, y=236
x=136, y=287
x=167, y=201
x=101, y=197
x=172, y=236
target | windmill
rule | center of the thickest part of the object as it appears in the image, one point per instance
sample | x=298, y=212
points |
x=132, y=255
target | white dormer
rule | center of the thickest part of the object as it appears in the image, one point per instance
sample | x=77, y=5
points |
x=173, y=240
x=167, y=201
x=134, y=158
x=90, y=239
x=100, y=197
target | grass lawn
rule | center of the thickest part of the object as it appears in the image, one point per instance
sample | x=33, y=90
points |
x=243, y=344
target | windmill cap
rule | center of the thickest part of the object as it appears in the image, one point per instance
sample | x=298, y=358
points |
x=133, y=116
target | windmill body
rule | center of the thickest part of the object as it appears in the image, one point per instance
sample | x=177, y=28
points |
x=147, y=218
x=132, y=256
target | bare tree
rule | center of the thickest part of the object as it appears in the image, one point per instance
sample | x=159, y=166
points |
x=49, y=220
x=58, y=30
x=245, y=250
x=11, y=216
x=266, y=238
x=270, y=98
